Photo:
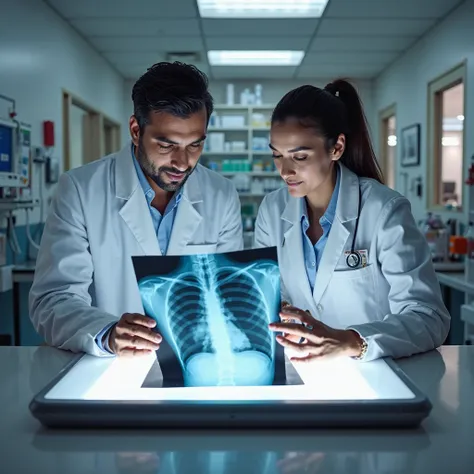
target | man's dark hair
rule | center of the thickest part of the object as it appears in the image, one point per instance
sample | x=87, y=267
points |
x=175, y=88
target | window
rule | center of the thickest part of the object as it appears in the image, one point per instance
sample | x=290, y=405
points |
x=388, y=145
x=446, y=140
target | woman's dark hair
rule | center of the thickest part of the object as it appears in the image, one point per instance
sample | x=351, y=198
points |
x=176, y=88
x=331, y=111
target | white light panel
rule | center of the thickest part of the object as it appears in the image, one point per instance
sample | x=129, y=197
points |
x=118, y=379
x=261, y=8
x=255, y=58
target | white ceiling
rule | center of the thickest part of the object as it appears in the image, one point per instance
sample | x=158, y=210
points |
x=354, y=38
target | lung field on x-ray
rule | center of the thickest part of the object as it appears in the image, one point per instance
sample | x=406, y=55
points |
x=214, y=313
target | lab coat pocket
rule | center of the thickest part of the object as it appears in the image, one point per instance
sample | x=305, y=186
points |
x=351, y=297
x=350, y=274
x=192, y=249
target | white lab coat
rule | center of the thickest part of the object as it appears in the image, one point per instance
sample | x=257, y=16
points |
x=394, y=302
x=98, y=220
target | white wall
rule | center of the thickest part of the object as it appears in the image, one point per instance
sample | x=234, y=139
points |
x=405, y=83
x=40, y=54
x=273, y=91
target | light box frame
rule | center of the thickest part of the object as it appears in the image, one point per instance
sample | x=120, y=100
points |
x=119, y=413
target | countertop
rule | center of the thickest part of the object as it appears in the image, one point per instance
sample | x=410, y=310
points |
x=456, y=280
x=443, y=444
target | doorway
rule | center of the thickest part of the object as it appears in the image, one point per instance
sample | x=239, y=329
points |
x=388, y=145
x=88, y=133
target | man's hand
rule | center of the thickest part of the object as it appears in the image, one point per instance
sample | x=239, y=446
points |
x=133, y=335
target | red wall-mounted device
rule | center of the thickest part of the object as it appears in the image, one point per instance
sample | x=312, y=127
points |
x=48, y=134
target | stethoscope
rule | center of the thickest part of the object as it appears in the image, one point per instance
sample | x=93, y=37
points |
x=354, y=258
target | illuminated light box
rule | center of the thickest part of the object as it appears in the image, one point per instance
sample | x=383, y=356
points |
x=111, y=392
x=219, y=363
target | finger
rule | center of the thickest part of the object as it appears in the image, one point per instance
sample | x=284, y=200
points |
x=140, y=331
x=296, y=347
x=291, y=312
x=306, y=359
x=292, y=338
x=134, y=352
x=316, y=355
x=136, y=342
x=139, y=319
x=291, y=328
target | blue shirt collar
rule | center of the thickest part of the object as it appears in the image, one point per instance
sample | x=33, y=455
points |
x=330, y=213
x=147, y=189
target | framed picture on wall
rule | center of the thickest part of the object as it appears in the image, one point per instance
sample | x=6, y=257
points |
x=411, y=145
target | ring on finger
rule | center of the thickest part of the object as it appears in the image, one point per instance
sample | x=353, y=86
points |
x=309, y=328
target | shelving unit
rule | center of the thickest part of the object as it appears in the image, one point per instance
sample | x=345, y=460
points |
x=237, y=147
x=238, y=127
x=467, y=309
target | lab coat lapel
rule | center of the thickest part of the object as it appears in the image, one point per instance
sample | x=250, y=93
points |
x=343, y=224
x=135, y=211
x=187, y=218
x=332, y=253
x=293, y=256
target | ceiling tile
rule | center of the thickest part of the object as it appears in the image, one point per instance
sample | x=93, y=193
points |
x=143, y=58
x=361, y=43
x=332, y=71
x=134, y=72
x=258, y=43
x=389, y=9
x=126, y=27
x=73, y=9
x=146, y=43
x=301, y=27
x=374, y=27
x=223, y=72
x=349, y=58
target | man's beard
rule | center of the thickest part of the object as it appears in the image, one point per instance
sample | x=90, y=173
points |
x=157, y=174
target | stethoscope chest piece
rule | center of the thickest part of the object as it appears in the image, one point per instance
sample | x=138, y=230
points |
x=353, y=259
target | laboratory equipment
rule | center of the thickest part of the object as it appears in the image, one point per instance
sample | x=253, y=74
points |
x=52, y=170
x=437, y=237
x=109, y=392
x=3, y=249
x=15, y=144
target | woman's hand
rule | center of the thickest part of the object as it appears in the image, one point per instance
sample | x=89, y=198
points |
x=311, y=339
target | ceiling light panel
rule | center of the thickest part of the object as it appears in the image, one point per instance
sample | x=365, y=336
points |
x=255, y=58
x=261, y=8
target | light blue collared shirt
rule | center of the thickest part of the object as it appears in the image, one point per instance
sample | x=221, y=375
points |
x=313, y=253
x=163, y=225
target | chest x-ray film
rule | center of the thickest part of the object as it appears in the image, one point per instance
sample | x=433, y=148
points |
x=213, y=312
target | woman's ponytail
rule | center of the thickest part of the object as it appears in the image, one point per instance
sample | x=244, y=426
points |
x=359, y=155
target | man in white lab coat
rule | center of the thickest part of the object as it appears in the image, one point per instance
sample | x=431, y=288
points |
x=151, y=198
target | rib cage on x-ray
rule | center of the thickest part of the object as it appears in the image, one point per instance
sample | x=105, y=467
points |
x=206, y=308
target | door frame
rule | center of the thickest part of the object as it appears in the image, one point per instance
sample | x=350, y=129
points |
x=384, y=115
x=453, y=76
x=94, y=138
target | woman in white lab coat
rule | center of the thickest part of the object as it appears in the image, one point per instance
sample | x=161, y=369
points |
x=355, y=269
